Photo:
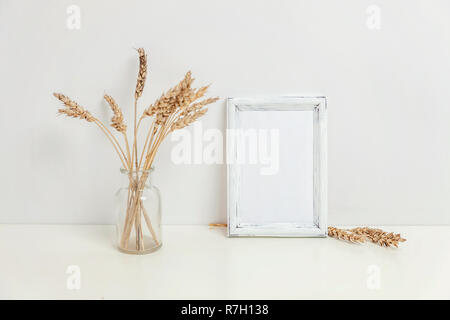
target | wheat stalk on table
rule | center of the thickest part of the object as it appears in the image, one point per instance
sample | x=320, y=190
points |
x=361, y=234
x=356, y=235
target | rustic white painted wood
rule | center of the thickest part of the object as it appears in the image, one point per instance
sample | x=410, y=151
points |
x=291, y=202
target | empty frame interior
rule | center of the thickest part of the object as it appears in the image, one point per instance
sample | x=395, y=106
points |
x=275, y=155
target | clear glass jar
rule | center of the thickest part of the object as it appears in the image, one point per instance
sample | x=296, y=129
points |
x=138, y=213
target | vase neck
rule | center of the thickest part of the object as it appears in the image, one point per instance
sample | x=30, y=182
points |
x=144, y=177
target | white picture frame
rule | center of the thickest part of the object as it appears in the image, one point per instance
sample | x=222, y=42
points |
x=249, y=196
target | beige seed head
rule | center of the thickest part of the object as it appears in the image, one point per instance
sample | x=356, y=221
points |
x=345, y=235
x=142, y=75
x=376, y=236
x=117, y=121
x=73, y=109
x=176, y=98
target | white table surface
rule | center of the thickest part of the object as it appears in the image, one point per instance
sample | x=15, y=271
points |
x=197, y=262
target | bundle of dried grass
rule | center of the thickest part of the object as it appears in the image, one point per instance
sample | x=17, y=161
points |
x=174, y=110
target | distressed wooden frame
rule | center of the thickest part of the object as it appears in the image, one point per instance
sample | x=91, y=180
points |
x=318, y=105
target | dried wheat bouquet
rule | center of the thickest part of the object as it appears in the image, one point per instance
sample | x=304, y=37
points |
x=177, y=108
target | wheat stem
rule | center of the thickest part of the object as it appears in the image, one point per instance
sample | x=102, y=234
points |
x=135, y=133
x=147, y=139
x=149, y=224
x=128, y=148
x=102, y=127
x=112, y=136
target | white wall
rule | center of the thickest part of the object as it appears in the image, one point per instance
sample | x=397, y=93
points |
x=388, y=91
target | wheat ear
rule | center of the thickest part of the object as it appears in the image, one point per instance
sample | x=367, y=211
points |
x=140, y=83
x=345, y=235
x=142, y=75
x=174, y=110
x=378, y=236
x=74, y=110
x=117, y=122
x=361, y=234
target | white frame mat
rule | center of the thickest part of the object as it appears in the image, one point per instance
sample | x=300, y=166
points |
x=318, y=227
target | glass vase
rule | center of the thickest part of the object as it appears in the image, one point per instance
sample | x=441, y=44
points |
x=138, y=213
